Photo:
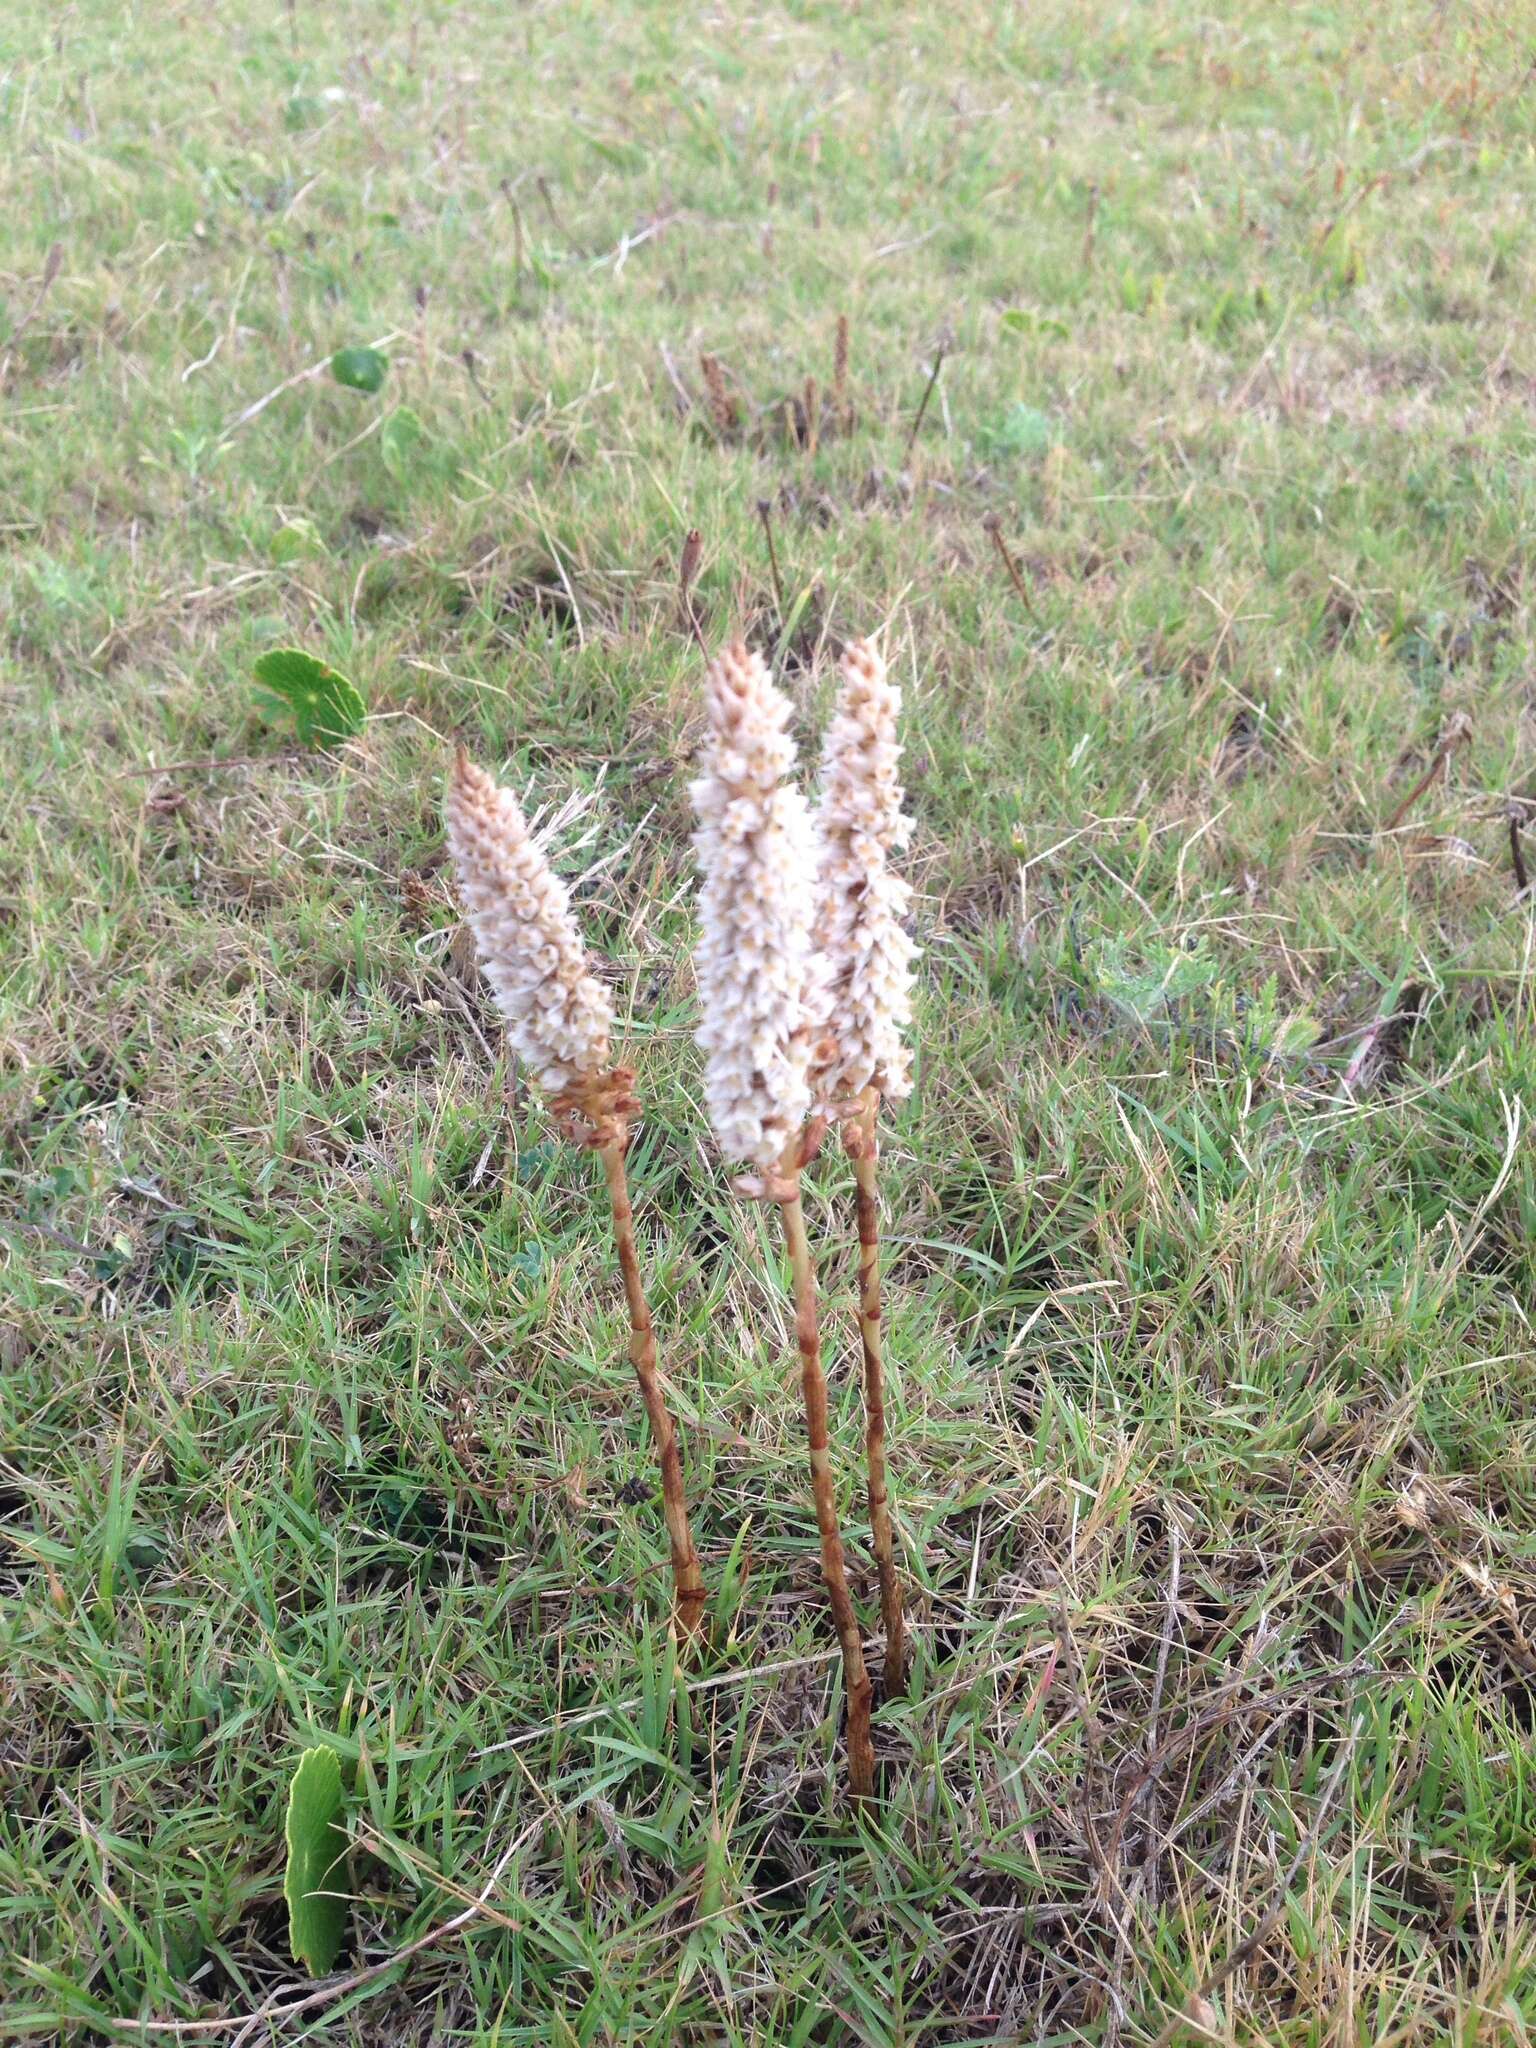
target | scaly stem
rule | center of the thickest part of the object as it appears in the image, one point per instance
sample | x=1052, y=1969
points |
x=863, y=1145
x=688, y=1580
x=861, y=1750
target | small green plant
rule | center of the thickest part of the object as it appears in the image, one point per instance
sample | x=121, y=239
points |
x=1022, y=431
x=315, y=1880
x=324, y=705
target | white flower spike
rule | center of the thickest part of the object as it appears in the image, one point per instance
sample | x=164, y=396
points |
x=756, y=855
x=558, y=1016
x=865, y=1000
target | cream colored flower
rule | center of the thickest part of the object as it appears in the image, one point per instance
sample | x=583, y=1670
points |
x=756, y=857
x=558, y=1017
x=864, y=1001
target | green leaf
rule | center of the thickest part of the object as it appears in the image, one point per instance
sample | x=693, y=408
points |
x=316, y=1877
x=360, y=369
x=401, y=441
x=144, y=1551
x=298, y=538
x=325, y=706
x=1021, y=320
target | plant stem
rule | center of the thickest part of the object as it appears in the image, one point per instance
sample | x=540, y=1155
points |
x=865, y=1152
x=861, y=1751
x=688, y=1580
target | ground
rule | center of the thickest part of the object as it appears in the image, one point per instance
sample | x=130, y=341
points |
x=1210, y=1224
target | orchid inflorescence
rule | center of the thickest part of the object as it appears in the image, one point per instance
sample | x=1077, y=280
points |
x=805, y=976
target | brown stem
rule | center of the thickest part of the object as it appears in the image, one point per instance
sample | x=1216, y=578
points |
x=863, y=1146
x=688, y=1580
x=933, y=378
x=765, y=513
x=994, y=528
x=861, y=1749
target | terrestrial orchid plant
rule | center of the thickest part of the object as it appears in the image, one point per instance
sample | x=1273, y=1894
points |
x=805, y=975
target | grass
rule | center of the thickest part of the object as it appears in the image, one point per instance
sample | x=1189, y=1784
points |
x=1212, y=1427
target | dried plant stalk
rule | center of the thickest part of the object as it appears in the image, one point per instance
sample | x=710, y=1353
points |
x=842, y=411
x=861, y=1749
x=559, y=1020
x=722, y=406
x=861, y=1142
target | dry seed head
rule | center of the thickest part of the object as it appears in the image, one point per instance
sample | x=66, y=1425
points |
x=756, y=855
x=558, y=1018
x=864, y=1000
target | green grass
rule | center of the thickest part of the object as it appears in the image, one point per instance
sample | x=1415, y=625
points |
x=1213, y=1408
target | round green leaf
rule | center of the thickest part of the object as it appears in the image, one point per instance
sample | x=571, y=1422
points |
x=360, y=369
x=324, y=705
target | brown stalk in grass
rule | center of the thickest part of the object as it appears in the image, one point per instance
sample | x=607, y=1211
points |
x=560, y=1021
x=864, y=1012
x=922, y=408
x=861, y=1142
x=756, y=974
x=722, y=406
x=842, y=411
x=784, y=1188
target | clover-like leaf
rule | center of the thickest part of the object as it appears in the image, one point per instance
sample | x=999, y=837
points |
x=325, y=707
x=316, y=1878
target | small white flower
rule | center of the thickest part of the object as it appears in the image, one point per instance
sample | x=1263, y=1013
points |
x=558, y=1017
x=864, y=997
x=756, y=857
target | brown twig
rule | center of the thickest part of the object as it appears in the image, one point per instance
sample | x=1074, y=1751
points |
x=785, y=1190
x=994, y=527
x=933, y=378
x=812, y=417
x=862, y=1144
x=1457, y=733
x=1516, y=857
x=688, y=1580
x=765, y=513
